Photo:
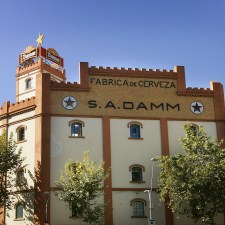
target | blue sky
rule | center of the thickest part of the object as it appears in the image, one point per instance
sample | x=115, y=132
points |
x=148, y=34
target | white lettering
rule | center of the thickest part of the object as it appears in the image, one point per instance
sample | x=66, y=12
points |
x=54, y=58
x=29, y=55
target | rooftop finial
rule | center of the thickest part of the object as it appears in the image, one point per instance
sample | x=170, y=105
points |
x=39, y=40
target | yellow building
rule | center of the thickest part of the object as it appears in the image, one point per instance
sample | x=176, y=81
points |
x=122, y=116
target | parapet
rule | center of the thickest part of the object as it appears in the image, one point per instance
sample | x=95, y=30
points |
x=67, y=86
x=17, y=107
x=203, y=92
x=43, y=67
x=115, y=71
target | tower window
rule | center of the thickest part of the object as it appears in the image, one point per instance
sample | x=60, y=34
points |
x=28, y=83
x=20, y=178
x=19, y=211
x=20, y=133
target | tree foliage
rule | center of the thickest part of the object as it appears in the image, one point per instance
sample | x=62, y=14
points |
x=194, y=182
x=81, y=185
x=10, y=161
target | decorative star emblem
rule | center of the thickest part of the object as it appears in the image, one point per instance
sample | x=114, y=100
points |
x=39, y=40
x=197, y=107
x=69, y=102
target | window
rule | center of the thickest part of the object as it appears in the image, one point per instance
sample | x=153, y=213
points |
x=20, y=133
x=73, y=210
x=135, y=130
x=19, y=211
x=76, y=128
x=28, y=83
x=195, y=129
x=20, y=178
x=73, y=167
x=138, y=206
x=136, y=173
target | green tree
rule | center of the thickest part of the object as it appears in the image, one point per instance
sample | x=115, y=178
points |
x=194, y=182
x=81, y=185
x=10, y=161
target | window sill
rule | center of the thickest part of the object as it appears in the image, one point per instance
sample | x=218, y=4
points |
x=19, y=219
x=138, y=216
x=75, y=137
x=18, y=142
x=137, y=182
x=136, y=138
x=28, y=90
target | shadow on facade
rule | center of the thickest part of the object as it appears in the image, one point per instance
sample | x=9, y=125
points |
x=30, y=195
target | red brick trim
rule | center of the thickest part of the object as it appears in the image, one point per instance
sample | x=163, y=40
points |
x=107, y=165
x=164, y=136
x=138, y=199
x=219, y=110
x=165, y=151
x=136, y=165
x=134, y=122
x=42, y=147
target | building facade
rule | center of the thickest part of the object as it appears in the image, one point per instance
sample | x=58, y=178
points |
x=124, y=117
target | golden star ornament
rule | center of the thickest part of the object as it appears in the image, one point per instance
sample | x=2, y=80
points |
x=39, y=40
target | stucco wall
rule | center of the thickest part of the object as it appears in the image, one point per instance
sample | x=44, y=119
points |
x=126, y=152
x=22, y=91
x=176, y=131
x=28, y=151
x=122, y=209
x=64, y=148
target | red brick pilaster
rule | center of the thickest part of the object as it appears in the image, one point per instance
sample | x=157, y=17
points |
x=107, y=160
x=165, y=151
x=42, y=147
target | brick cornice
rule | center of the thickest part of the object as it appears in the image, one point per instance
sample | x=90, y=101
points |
x=42, y=67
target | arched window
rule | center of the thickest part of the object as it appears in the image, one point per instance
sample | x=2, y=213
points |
x=76, y=128
x=136, y=173
x=138, y=207
x=73, y=167
x=19, y=211
x=28, y=83
x=20, y=178
x=135, y=130
x=20, y=133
